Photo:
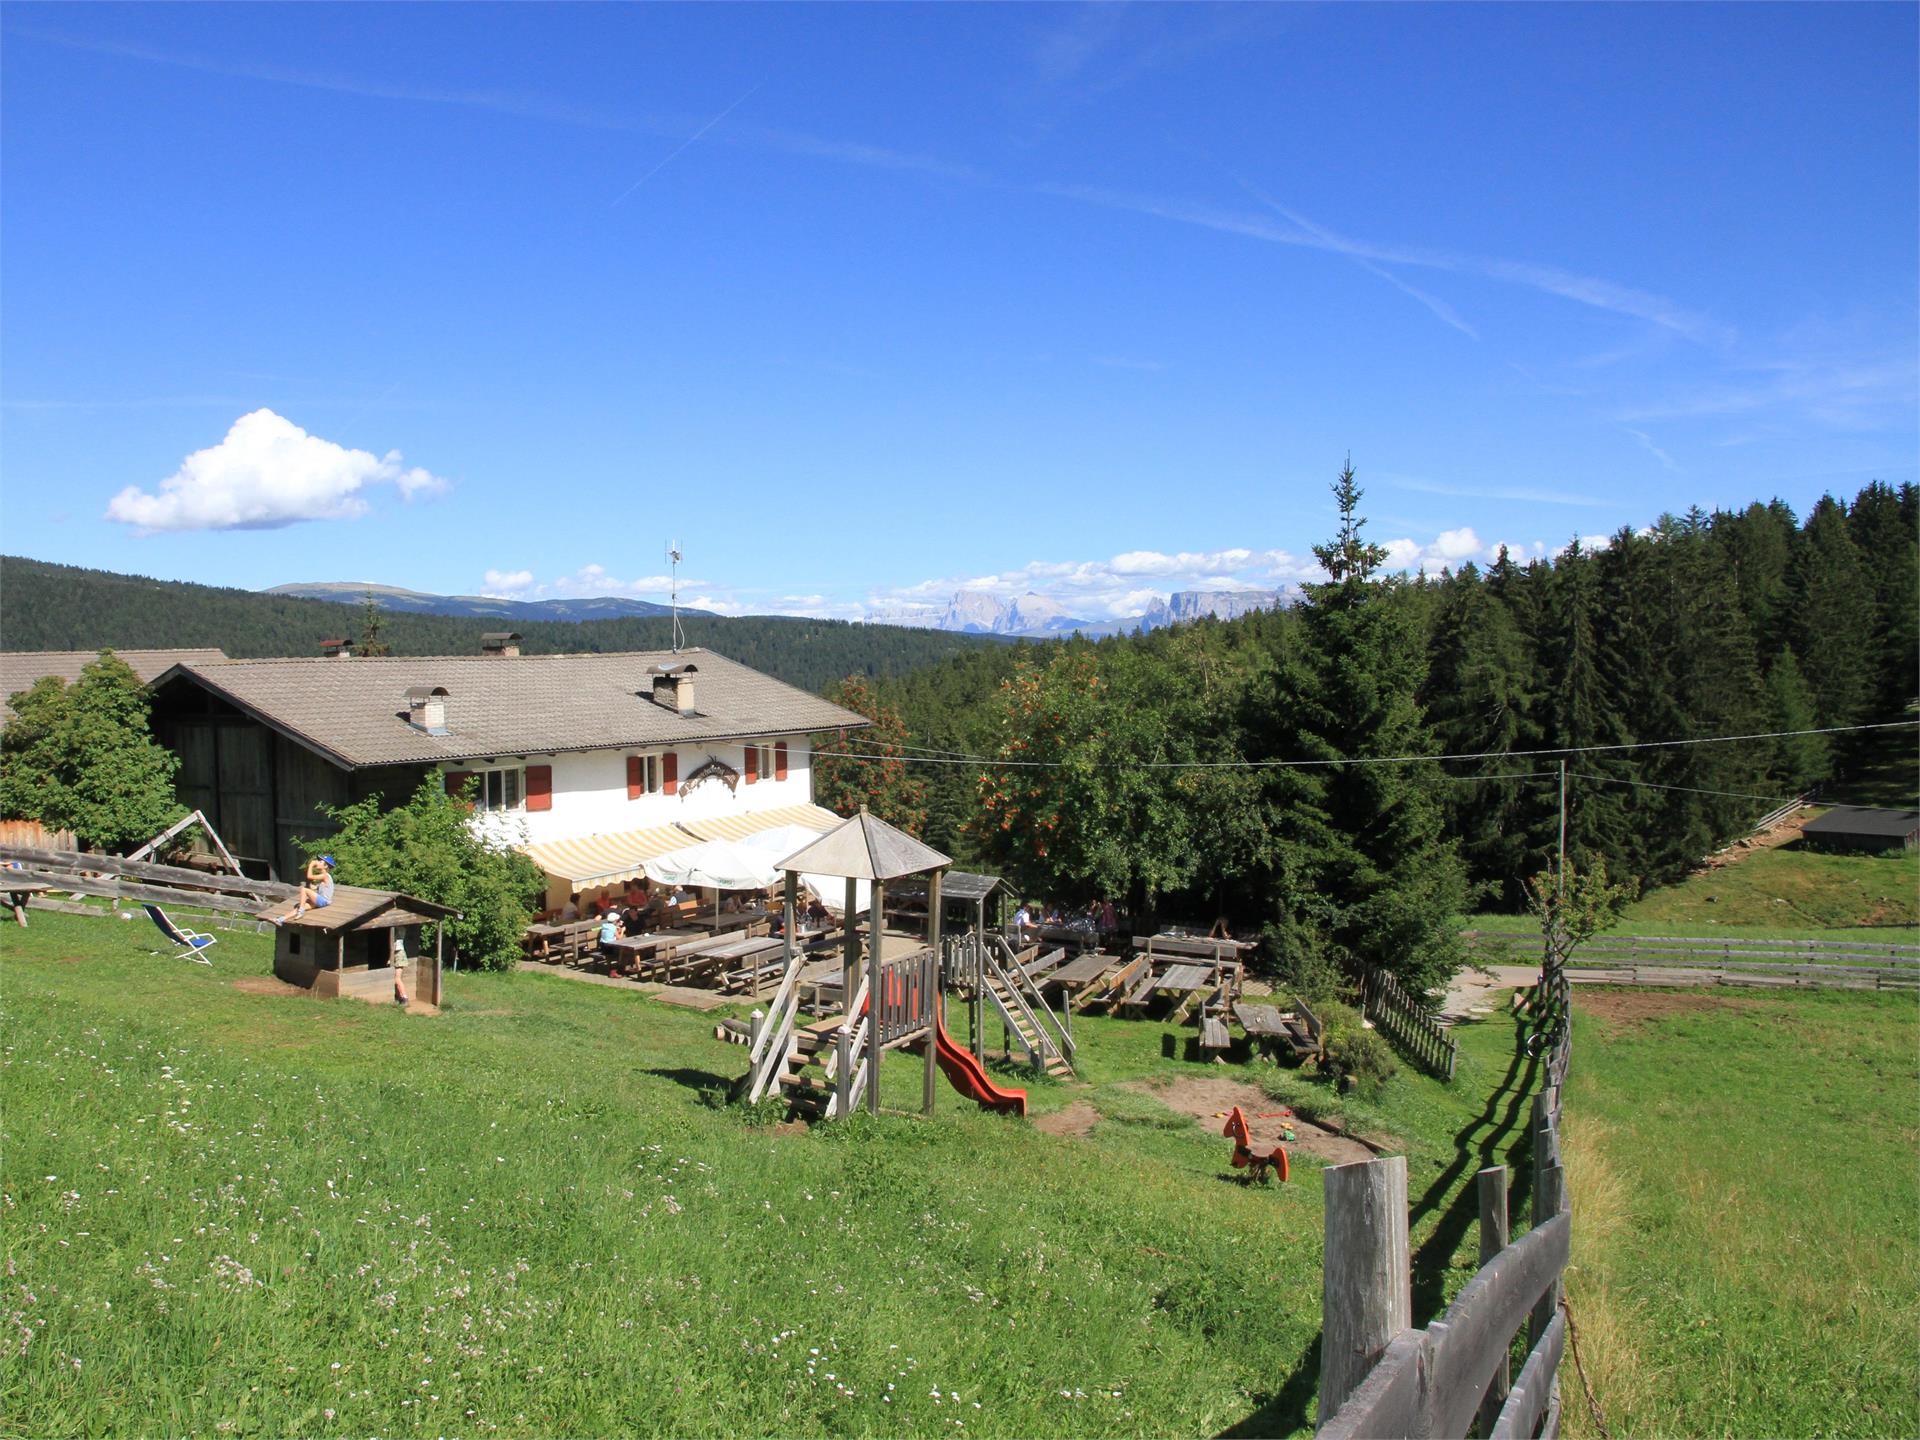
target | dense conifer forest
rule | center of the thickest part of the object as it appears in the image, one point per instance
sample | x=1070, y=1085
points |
x=64, y=607
x=1731, y=623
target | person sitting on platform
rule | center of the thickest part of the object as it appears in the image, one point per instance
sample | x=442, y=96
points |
x=317, y=893
x=570, y=910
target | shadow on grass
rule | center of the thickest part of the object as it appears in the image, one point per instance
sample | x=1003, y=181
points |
x=1476, y=1145
x=705, y=1082
x=1289, y=1409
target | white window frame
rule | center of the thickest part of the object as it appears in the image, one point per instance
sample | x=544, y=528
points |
x=492, y=786
x=649, y=774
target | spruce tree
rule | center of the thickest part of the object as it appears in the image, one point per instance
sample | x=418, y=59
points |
x=1799, y=761
x=1833, y=618
x=1386, y=885
x=1480, y=696
x=1882, y=527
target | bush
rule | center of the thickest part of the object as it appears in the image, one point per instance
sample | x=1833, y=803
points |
x=1353, y=1049
x=81, y=757
x=427, y=848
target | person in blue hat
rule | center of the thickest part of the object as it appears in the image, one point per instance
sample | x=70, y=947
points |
x=317, y=893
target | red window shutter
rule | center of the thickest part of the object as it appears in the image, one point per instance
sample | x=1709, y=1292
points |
x=670, y=773
x=780, y=760
x=539, y=787
x=457, y=782
x=753, y=764
x=636, y=778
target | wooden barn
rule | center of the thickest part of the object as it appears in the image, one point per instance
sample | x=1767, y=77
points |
x=348, y=948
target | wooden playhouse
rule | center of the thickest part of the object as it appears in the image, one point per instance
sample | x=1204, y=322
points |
x=348, y=948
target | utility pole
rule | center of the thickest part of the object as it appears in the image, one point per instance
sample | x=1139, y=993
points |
x=1560, y=881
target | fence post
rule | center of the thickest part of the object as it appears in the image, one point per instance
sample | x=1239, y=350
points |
x=1366, y=1291
x=1492, y=1185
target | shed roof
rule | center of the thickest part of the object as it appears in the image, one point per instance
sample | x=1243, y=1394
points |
x=20, y=668
x=1864, y=820
x=865, y=847
x=354, y=713
x=355, y=908
x=960, y=885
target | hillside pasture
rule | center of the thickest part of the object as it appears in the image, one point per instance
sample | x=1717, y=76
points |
x=235, y=1210
x=1743, y=1182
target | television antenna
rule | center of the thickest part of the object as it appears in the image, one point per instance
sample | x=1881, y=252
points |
x=673, y=560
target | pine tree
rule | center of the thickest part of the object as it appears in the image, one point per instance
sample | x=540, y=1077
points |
x=1480, y=696
x=1833, y=618
x=1799, y=761
x=1386, y=885
x=1584, y=706
x=1881, y=523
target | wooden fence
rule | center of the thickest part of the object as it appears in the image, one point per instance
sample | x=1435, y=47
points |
x=1411, y=1028
x=1379, y=1376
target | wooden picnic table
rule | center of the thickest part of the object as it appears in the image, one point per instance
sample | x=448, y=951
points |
x=19, y=891
x=637, y=949
x=763, y=958
x=1184, y=978
x=739, y=920
x=568, y=936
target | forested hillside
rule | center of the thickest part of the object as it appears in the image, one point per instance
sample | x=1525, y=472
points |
x=63, y=607
x=1732, y=623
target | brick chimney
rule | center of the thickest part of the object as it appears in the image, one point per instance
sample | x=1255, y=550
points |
x=337, y=649
x=500, y=642
x=673, y=686
x=427, y=708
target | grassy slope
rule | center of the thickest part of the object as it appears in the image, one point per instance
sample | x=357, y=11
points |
x=530, y=1214
x=1744, y=1177
x=1786, y=893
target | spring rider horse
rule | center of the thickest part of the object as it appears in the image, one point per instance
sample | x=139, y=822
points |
x=1258, y=1167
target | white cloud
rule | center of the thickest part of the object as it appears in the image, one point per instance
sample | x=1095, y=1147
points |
x=589, y=582
x=265, y=474
x=505, y=584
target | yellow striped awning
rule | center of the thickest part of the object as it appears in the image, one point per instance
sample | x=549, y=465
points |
x=752, y=822
x=605, y=859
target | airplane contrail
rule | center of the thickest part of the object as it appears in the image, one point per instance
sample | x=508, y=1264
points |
x=685, y=143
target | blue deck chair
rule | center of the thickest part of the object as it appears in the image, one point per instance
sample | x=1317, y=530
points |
x=193, y=940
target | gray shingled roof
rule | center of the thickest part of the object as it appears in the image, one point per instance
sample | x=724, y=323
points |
x=865, y=847
x=354, y=711
x=20, y=668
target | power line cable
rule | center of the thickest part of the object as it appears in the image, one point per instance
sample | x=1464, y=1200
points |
x=1377, y=759
x=1690, y=789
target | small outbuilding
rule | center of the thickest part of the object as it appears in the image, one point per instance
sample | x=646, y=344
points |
x=1861, y=828
x=350, y=947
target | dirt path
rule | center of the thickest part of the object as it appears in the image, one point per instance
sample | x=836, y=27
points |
x=1473, y=996
x=1208, y=1100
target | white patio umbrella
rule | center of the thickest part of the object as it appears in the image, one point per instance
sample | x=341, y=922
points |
x=713, y=865
x=782, y=841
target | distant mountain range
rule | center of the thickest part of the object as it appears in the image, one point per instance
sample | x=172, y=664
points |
x=969, y=612
x=392, y=597
x=975, y=612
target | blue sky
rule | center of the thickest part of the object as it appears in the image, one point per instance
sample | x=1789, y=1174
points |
x=866, y=304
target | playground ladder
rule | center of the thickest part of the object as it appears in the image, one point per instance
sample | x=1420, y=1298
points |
x=774, y=1044
x=1021, y=1005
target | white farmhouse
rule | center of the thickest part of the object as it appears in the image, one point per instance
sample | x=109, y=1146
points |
x=590, y=763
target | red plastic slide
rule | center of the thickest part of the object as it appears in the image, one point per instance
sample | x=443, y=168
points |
x=966, y=1075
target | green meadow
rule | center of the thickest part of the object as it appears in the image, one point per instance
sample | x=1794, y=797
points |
x=1747, y=1212
x=235, y=1212
x=230, y=1211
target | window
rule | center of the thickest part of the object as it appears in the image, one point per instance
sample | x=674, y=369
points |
x=498, y=789
x=763, y=758
x=643, y=776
